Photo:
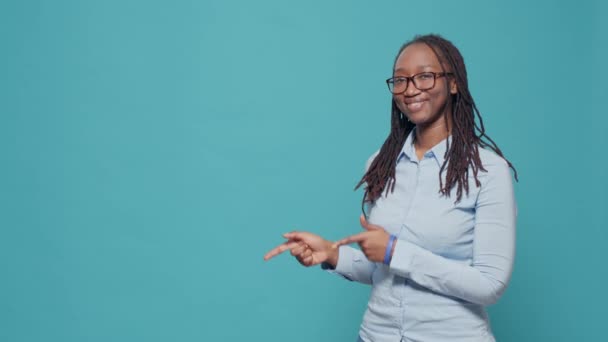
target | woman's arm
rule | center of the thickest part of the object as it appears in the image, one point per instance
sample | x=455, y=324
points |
x=485, y=279
x=352, y=265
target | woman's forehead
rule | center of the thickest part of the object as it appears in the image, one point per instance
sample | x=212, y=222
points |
x=417, y=56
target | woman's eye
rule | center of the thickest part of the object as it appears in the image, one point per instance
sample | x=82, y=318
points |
x=425, y=76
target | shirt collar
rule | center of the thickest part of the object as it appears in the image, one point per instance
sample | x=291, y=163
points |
x=438, y=151
x=408, y=149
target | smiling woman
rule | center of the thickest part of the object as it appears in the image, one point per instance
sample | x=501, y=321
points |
x=434, y=261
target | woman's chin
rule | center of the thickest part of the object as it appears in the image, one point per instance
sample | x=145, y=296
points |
x=417, y=118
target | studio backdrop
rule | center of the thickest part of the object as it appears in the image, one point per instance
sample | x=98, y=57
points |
x=151, y=152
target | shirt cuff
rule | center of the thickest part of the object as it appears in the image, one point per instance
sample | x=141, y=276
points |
x=404, y=254
x=346, y=257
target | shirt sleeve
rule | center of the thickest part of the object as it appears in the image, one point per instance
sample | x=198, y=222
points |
x=483, y=280
x=352, y=265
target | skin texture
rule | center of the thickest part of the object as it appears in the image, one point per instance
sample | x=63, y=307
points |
x=310, y=249
x=430, y=119
x=432, y=126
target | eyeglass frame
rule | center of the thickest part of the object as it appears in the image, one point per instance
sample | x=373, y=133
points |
x=411, y=78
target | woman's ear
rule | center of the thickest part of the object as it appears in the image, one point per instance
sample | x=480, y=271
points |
x=453, y=87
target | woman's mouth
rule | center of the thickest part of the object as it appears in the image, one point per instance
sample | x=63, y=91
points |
x=415, y=105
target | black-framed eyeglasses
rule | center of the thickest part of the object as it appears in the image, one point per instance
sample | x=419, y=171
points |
x=422, y=81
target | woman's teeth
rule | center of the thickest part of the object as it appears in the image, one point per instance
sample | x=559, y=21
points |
x=415, y=105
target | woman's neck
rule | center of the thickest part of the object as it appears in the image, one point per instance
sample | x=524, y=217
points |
x=429, y=136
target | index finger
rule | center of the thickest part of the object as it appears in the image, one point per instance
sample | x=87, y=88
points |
x=281, y=248
x=351, y=239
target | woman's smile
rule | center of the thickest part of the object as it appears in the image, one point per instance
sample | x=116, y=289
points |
x=415, y=105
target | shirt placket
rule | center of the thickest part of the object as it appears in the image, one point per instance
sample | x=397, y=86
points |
x=407, y=212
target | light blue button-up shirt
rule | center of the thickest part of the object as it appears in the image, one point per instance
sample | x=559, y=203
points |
x=450, y=260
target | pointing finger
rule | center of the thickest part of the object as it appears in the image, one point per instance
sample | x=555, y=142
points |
x=281, y=248
x=366, y=225
x=351, y=239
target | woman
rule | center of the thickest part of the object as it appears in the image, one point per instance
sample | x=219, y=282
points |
x=440, y=240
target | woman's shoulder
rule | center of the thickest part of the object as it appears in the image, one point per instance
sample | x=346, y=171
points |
x=490, y=159
x=495, y=165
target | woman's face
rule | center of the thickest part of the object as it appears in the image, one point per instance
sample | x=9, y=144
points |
x=425, y=108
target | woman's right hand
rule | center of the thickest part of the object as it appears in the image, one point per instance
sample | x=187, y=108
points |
x=309, y=249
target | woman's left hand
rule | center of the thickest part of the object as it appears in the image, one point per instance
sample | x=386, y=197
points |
x=373, y=241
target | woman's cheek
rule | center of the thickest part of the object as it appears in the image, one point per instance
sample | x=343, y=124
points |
x=401, y=106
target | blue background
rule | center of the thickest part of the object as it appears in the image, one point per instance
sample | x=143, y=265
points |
x=152, y=151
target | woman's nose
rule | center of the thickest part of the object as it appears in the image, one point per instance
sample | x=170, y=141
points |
x=410, y=89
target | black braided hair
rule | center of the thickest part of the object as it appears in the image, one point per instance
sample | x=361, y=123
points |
x=468, y=135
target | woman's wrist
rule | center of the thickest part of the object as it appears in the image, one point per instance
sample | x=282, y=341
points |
x=332, y=255
x=390, y=249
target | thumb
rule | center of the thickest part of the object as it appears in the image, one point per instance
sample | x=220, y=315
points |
x=299, y=236
x=366, y=225
x=295, y=235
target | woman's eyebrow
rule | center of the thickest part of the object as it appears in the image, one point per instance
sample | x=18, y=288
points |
x=420, y=67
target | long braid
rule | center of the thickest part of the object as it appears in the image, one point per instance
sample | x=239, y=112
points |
x=468, y=134
x=381, y=172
